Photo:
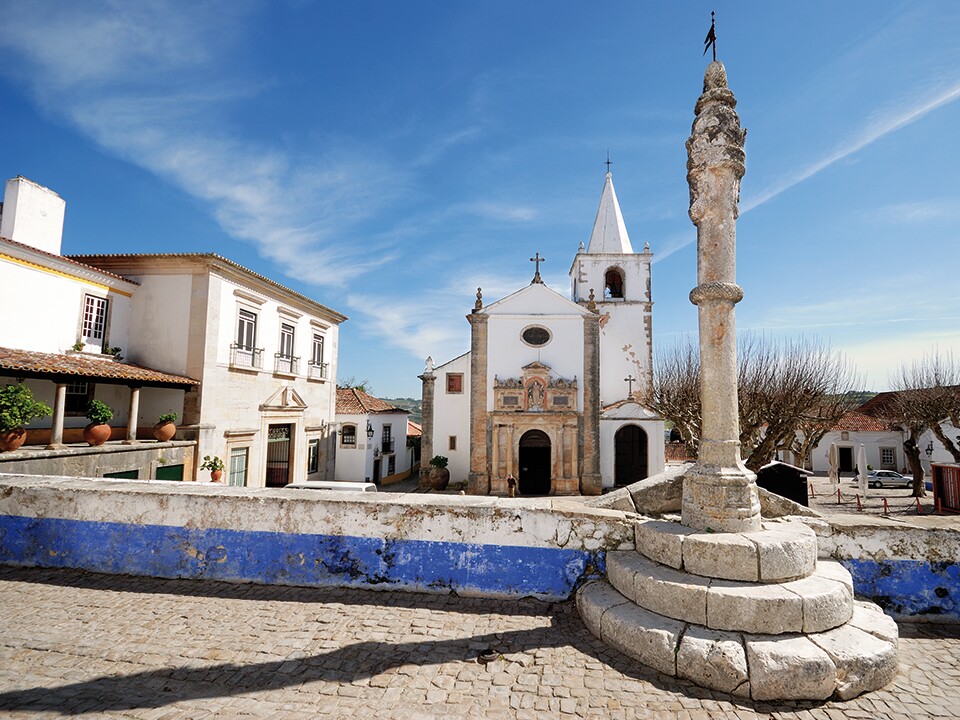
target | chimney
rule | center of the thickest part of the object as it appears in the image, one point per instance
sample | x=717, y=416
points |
x=32, y=215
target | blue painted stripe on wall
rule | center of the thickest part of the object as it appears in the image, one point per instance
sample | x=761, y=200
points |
x=909, y=587
x=295, y=559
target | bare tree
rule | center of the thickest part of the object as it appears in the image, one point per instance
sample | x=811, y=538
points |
x=928, y=394
x=351, y=382
x=784, y=387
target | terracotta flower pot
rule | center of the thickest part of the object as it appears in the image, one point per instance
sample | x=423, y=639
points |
x=164, y=431
x=439, y=478
x=96, y=435
x=12, y=439
x=215, y=475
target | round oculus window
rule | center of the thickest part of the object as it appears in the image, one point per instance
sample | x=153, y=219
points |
x=535, y=335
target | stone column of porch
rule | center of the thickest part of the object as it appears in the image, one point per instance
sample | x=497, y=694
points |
x=591, y=482
x=478, y=481
x=56, y=427
x=132, y=415
x=426, y=432
x=719, y=493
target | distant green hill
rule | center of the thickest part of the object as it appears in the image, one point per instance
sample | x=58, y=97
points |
x=411, y=404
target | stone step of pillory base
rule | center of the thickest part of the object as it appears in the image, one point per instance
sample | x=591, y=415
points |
x=847, y=661
x=821, y=601
x=780, y=551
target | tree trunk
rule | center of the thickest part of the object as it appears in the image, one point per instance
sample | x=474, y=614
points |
x=911, y=449
x=951, y=447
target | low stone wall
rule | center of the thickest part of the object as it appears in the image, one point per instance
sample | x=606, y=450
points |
x=470, y=545
x=94, y=462
x=912, y=571
x=484, y=546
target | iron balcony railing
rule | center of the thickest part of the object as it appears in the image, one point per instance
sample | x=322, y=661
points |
x=317, y=370
x=386, y=446
x=285, y=363
x=242, y=356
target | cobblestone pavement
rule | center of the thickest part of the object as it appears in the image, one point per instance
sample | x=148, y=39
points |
x=75, y=643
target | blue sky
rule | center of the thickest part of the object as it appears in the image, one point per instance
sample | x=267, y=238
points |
x=388, y=158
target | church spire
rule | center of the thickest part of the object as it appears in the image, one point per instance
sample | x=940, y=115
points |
x=609, y=231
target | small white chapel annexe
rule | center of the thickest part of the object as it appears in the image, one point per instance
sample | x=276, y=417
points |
x=551, y=391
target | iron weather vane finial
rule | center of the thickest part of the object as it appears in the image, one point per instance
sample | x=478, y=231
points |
x=710, y=41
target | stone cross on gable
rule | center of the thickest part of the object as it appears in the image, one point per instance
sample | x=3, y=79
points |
x=537, y=259
x=630, y=380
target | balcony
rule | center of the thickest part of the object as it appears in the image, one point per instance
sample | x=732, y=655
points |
x=285, y=364
x=317, y=370
x=246, y=357
x=386, y=445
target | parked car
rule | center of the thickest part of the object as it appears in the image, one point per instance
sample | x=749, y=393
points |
x=888, y=478
x=333, y=485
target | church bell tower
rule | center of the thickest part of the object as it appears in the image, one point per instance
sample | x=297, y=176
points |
x=619, y=279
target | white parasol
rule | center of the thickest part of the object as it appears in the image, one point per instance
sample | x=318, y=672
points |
x=862, y=469
x=834, y=459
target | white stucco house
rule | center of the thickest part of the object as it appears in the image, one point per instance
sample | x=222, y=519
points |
x=248, y=364
x=883, y=445
x=551, y=391
x=372, y=443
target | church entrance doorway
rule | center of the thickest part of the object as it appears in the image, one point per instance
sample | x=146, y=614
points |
x=630, y=455
x=534, y=463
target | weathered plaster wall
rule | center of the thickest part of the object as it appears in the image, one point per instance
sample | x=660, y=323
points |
x=470, y=545
x=451, y=418
x=146, y=458
x=911, y=571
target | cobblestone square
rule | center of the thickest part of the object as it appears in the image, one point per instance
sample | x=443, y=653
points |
x=79, y=644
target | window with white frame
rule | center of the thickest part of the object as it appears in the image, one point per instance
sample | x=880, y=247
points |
x=317, y=356
x=238, y=466
x=348, y=436
x=247, y=329
x=286, y=340
x=93, y=329
x=78, y=396
x=888, y=458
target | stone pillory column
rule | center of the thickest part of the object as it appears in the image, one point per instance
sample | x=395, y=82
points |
x=591, y=482
x=719, y=493
x=426, y=437
x=478, y=481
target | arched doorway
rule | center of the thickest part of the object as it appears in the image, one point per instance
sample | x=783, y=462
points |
x=534, y=463
x=630, y=455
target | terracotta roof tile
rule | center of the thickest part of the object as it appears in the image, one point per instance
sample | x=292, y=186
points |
x=860, y=422
x=66, y=259
x=96, y=367
x=351, y=401
x=413, y=429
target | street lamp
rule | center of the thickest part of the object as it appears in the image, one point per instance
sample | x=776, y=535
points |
x=929, y=448
x=369, y=431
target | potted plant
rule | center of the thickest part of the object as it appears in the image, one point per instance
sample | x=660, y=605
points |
x=98, y=431
x=214, y=465
x=439, y=476
x=165, y=428
x=17, y=408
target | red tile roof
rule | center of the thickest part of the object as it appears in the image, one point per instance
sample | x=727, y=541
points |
x=28, y=363
x=860, y=422
x=352, y=401
x=414, y=430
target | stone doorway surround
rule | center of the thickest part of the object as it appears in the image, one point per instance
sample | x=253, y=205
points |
x=534, y=463
x=631, y=454
x=562, y=429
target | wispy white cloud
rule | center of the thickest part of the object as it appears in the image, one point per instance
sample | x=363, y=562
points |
x=149, y=83
x=909, y=112
x=920, y=211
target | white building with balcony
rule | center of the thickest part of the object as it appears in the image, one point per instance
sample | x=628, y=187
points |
x=248, y=364
x=373, y=439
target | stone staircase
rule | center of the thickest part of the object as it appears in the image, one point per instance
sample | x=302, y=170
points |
x=753, y=614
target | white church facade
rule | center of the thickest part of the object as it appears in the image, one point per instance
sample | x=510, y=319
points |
x=550, y=393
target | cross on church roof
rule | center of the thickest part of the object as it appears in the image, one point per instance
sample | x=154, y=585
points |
x=537, y=259
x=608, y=163
x=630, y=380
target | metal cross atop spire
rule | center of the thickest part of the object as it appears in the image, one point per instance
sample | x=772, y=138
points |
x=711, y=39
x=537, y=259
x=630, y=380
x=608, y=163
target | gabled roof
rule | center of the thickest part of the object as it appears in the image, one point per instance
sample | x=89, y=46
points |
x=413, y=429
x=353, y=401
x=54, y=367
x=535, y=299
x=609, y=231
